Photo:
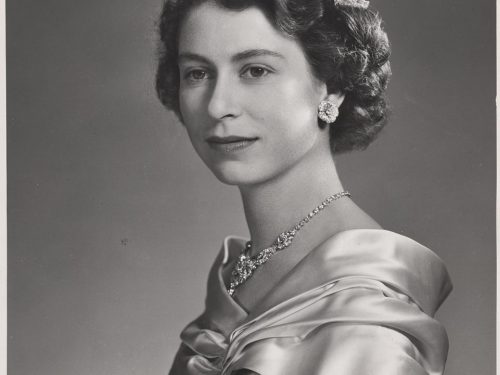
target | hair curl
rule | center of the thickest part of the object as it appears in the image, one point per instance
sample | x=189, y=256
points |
x=345, y=46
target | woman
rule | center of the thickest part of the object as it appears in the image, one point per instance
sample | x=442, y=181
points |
x=268, y=91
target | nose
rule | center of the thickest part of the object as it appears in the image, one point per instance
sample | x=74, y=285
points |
x=223, y=102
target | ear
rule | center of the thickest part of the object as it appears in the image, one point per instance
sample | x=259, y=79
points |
x=336, y=98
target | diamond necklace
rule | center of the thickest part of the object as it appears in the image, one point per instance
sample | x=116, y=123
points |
x=246, y=264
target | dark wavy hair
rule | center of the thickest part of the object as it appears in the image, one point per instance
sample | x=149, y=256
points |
x=345, y=46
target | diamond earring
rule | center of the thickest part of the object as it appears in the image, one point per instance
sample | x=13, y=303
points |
x=328, y=111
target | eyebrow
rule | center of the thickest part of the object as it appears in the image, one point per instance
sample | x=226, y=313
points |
x=243, y=55
x=255, y=53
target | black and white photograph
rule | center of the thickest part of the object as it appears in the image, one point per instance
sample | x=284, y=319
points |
x=251, y=187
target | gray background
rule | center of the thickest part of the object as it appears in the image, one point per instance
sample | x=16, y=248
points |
x=114, y=222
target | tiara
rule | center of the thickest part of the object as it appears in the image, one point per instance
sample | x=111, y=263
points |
x=353, y=3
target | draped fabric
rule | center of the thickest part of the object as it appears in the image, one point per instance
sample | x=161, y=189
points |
x=361, y=303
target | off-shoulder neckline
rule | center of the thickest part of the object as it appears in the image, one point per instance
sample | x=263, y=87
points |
x=228, y=240
x=429, y=285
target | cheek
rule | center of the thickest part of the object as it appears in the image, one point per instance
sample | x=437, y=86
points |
x=193, y=121
x=290, y=108
x=191, y=108
x=296, y=101
x=187, y=104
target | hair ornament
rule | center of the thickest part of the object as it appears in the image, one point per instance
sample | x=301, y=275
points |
x=352, y=3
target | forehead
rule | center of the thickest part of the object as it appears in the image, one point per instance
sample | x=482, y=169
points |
x=211, y=30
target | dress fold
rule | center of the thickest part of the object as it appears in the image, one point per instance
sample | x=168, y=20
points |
x=361, y=303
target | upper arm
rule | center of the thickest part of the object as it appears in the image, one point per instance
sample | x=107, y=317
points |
x=341, y=349
x=244, y=372
x=358, y=331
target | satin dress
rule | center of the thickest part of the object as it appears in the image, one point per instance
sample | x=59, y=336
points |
x=361, y=303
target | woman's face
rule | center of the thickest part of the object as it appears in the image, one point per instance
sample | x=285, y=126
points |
x=247, y=96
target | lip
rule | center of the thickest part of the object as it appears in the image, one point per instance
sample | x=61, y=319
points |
x=230, y=143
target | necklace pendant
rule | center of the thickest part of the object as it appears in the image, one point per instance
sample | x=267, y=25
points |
x=285, y=239
x=246, y=264
x=244, y=268
x=265, y=255
x=242, y=271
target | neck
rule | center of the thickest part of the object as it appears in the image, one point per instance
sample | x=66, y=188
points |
x=278, y=205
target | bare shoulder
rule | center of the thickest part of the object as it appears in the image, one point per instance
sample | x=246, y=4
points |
x=350, y=216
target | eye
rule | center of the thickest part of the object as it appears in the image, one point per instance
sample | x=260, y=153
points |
x=255, y=72
x=196, y=75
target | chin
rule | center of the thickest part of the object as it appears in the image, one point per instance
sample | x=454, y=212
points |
x=234, y=179
x=236, y=176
